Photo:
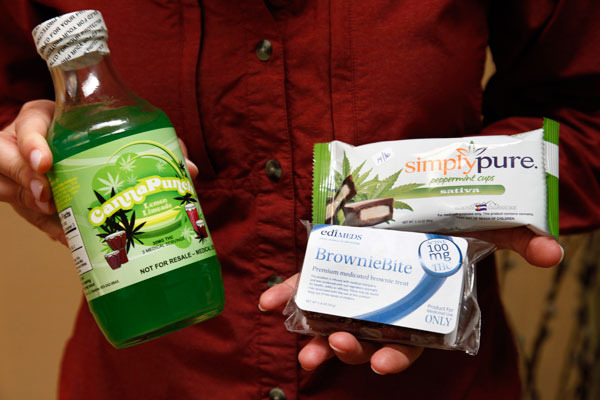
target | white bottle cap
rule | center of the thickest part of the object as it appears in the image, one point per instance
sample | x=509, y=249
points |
x=63, y=39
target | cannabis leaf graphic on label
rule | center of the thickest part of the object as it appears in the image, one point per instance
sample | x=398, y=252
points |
x=471, y=150
x=131, y=179
x=112, y=184
x=186, y=199
x=127, y=164
x=171, y=159
x=120, y=222
x=374, y=188
x=161, y=165
x=188, y=233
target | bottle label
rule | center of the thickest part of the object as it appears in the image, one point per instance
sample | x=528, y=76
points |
x=405, y=279
x=129, y=211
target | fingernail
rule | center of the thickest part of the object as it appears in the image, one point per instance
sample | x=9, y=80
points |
x=336, y=349
x=306, y=369
x=36, y=188
x=377, y=372
x=191, y=164
x=35, y=158
x=42, y=205
x=260, y=308
x=562, y=257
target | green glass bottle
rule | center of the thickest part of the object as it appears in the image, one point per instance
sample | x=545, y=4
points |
x=123, y=193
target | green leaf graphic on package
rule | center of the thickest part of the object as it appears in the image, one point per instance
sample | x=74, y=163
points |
x=134, y=208
x=365, y=202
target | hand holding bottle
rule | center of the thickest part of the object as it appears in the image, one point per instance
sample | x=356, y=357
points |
x=24, y=160
x=120, y=184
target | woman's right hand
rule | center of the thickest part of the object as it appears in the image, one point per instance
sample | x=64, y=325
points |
x=24, y=160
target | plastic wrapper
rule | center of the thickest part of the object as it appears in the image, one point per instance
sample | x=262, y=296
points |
x=441, y=185
x=389, y=286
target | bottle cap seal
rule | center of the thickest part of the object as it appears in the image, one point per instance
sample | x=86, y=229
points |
x=68, y=37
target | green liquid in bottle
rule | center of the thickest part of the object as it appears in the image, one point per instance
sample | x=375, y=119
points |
x=161, y=304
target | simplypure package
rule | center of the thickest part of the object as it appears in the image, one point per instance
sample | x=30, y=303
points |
x=416, y=287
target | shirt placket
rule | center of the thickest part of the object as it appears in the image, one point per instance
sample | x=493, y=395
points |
x=276, y=349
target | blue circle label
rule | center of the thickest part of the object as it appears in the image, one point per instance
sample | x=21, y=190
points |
x=440, y=257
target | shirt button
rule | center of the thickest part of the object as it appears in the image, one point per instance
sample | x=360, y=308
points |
x=274, y=280
x=277, y=394
x=273, y=170
x=264, y=48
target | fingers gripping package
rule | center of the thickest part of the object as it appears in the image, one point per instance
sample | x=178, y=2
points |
x=403, y=283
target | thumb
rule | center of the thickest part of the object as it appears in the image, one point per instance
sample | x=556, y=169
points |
x=277, y=295
x=541, y=251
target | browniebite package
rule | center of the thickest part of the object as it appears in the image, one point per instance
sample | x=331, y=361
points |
x=390, y=286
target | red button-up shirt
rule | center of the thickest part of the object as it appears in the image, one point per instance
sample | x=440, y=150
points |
x=355, y=71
